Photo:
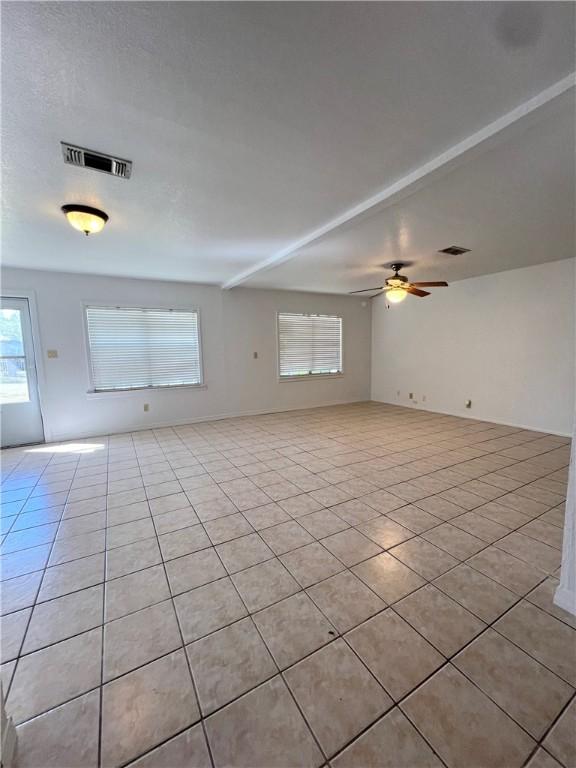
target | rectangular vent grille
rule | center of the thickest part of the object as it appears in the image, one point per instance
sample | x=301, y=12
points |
x=454, y=250
x=87, y=158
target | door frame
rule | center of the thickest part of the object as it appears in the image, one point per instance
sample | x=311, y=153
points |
x=30, y=296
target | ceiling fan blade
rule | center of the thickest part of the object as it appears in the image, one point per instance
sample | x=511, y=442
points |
x=365, y=290
x=417, y=291
x=440, y=284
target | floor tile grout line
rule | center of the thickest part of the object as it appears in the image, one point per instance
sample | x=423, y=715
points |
x=514, y=461
x=521, y=598
x=344, y=566
x=340, y=635
x=186, y=658
x=448, y=659
x=448, y=662
x=540, y=743
x=395, y=703
x=489, y=626
x=279, y=672
x=23, y=640
x=542, y=513
x=517, y=430
x=378, y=515
x=102, y=635
x=301, y=590
x=406, y=503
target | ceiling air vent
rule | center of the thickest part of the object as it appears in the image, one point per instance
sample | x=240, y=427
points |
x=454, y=250
x=87, y=158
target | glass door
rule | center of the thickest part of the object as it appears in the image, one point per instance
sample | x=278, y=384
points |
x=19, y=401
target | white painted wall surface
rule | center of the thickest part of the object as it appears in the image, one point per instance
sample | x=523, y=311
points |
x=565, y=595
x=234, y=325
x=505, y=341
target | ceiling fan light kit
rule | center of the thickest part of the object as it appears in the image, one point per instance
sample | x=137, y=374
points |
x=398, y=286
x=396, y=295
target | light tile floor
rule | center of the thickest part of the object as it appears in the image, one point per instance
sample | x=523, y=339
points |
x=361, y=585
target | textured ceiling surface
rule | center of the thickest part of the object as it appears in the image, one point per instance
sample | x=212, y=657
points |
x=251, y=125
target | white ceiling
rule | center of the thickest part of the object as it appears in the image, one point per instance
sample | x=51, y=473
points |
x=252, y=125
x=513, y=205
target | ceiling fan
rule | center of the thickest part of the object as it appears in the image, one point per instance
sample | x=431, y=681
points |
x=398, y=286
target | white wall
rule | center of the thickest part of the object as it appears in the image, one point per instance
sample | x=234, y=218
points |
x=234, y=325
x=565, y=595
x=505, y=341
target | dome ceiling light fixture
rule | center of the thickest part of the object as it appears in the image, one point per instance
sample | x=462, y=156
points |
x=84, y=218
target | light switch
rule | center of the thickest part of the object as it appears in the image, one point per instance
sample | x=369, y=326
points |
x=52, y=353
x=255, y=355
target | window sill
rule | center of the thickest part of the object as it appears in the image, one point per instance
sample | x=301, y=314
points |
x=311, y=377
x=92, y=395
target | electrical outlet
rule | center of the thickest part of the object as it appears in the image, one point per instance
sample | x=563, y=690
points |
x=468, y=403
x=255, y=355
x=146, y=406
x=51, y=353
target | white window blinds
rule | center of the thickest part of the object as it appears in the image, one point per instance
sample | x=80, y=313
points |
x=309, y=344
x=132, y=348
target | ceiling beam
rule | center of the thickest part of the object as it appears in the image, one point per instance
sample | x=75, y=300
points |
x=415, y=179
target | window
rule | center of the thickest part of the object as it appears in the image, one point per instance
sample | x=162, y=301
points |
x=309, y=344
x=132, y=348
x=13, y=375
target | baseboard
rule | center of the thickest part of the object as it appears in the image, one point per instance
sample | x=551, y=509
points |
x=565, y=599
x=54, y=437
x=503, y=423
x=66, y=436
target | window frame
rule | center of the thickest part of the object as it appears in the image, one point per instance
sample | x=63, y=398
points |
x=309, y=376
x=94, y=393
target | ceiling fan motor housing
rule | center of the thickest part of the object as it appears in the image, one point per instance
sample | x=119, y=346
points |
x=397, y=281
